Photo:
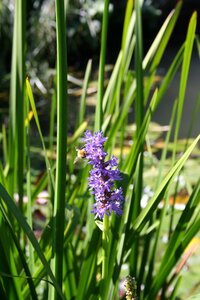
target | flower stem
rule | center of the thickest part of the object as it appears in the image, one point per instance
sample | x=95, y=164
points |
x=105, y=241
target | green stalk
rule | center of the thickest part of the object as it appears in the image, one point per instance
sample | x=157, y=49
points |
x=21, y=257
x=12, y=286
x=128, y=13
x=16, y=214
x=139, y=90
x=4, y=144
x=59, y=204
x=136, y=210
x=138, y=67
x=99, y=109
x=185, y=70
x=16, y=114
x=122, y=70
x=12, y=112
x=153, y=253
x=139, y=112
x=33, y=107
x=105, y=254
x=28, y=184
x=182, y=89
x=52, y=118
x=98, y=124
x=20, y=98
x=84, y=93
x=16, y=132
x=104, y=242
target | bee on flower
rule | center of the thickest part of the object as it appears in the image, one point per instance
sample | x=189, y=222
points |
x=81, y=153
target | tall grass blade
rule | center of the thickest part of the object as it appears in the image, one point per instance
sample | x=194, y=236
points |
x=88, y=267
x=156, y=51
x=33, y=106
x=13, y=255
x=20, y=103
x=111, y=86
x=84, y=92
x=183, y=82
x=138, y=67
x=13, y=209
x=155, y=247
x=5, y=144
x=184, y=235
x=139, y=112
x=60, y=184
x=170, y=75
x=183, y=225
x=128, y=13
x=52, y=118
x=159, y=44
x=154, y=201
x=185, y=70
x=100, y=93
x=28, y=187
x=11, y=285
x=69, y=273
x=16, y=114
x=131, y=159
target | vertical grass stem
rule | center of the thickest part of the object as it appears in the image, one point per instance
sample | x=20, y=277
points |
x=59, y=203
x=99, y=110
x=105, y=254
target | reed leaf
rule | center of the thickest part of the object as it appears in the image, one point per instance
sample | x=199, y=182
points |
x=60, y=182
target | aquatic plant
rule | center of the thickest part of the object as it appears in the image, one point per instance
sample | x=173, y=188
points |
x=71, y=253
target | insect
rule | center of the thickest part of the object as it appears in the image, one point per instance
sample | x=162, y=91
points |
x=81, y=153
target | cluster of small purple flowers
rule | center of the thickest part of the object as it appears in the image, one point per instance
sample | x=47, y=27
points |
x=102, y=176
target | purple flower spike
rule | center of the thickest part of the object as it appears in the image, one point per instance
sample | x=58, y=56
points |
x=102, y=176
